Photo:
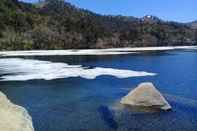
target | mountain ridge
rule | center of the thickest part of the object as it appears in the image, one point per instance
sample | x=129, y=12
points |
x=193, y=24
x=60, y=25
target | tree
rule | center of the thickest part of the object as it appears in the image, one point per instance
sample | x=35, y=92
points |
x=55, y=6
x=195, y=37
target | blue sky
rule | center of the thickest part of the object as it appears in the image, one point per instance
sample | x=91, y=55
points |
x=173, y=10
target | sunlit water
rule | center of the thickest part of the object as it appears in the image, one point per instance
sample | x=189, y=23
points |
x=79, y=104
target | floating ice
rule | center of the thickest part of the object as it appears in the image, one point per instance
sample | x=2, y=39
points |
x=18, y=69
x=110, y=51
x=65, y=52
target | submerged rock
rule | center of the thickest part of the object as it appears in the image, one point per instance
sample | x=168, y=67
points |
x=146, y=95
x=13, y=117
x=107, y=116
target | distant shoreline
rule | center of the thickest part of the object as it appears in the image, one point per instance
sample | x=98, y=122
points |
x=109, y=51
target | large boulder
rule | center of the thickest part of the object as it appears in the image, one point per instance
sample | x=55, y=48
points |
x=13, y=117
x=146, y=95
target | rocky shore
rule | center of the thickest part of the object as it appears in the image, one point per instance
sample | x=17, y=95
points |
x=13, y=117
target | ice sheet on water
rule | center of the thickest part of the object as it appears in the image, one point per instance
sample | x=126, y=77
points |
x=19, y=69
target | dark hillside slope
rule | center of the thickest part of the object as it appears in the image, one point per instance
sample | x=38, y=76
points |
x=55, y=24
x=193, y=24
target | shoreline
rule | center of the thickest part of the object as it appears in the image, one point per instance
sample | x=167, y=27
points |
x=109, y=51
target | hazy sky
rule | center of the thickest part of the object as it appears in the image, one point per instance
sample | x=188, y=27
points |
x=176, y=10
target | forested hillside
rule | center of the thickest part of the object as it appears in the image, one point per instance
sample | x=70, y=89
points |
x=193, y=24
x=55, y=24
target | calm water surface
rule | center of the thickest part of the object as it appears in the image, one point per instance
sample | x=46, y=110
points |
x=77, y=104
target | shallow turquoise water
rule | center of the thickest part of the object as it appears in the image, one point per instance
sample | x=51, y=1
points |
x=77, y=104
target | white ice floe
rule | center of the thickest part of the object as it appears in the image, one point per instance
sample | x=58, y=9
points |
x=18, y=69
x=63, y=52
x=163, y=48
x=111, y=51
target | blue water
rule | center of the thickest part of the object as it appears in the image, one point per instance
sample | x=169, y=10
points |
x=77, y=104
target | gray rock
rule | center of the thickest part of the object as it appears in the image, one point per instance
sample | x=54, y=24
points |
x=13, y=117
x=146, y=95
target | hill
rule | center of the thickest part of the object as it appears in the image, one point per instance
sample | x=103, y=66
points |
x=55, y=24
x=193, y=24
